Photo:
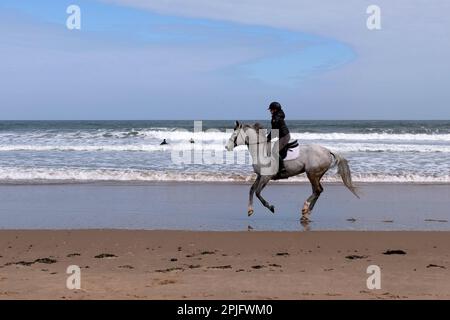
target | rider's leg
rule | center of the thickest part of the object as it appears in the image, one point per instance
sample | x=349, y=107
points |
x=281, y=144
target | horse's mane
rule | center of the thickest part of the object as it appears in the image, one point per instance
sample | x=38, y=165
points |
x=258, y=126
x=260, y=130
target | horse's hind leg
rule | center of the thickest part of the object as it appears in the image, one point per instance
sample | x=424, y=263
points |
x=262, y=183
x=250, y=197
x=317, y=189
x=316, y=197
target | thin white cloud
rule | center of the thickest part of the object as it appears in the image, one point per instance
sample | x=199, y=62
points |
x=401, y=71
x=399, y=68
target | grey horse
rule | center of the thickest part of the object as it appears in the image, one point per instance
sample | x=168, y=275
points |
x=315, y=160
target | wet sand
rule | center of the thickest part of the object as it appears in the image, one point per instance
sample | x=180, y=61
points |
x=221, y=207
x=129, y=264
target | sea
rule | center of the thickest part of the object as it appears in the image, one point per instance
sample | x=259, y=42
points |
x=45, y=152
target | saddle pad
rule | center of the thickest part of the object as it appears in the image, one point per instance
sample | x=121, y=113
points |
x=292, y=153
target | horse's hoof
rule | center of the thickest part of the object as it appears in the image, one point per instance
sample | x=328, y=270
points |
x=305, y=209
x=305, y=218
x=272, y=208
x=250, y=212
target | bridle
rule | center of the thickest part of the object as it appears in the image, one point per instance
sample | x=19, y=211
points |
x=245, y=140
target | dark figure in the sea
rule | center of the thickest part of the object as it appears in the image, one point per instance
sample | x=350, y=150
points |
x=163, y=142
x=284, y=136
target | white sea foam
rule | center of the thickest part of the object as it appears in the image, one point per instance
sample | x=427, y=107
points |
x=185, y=135
x=12, y=174
x=372, y=137
x=339, y=146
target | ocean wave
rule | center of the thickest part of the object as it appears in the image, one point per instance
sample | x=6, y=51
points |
x=44, y=175
x=205, y=136
x=305, y=136
x=339, y=147
x=372, y=137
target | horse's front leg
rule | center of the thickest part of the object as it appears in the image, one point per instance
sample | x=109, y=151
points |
x=250, y=197
x=262, y=183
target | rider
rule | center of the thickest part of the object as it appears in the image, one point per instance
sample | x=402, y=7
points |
x=283, y=132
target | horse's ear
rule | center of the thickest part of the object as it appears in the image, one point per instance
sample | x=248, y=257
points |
x=236, y=125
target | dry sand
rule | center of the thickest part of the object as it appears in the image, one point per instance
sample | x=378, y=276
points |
x=223, y=265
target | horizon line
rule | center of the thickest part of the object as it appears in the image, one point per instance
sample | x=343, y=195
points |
x=247, y=119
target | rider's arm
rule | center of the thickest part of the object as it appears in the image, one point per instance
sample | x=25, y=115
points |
x=277, y=121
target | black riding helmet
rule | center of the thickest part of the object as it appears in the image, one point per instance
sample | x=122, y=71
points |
x=275, y=106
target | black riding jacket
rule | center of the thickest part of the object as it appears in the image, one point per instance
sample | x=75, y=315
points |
x=279, y=123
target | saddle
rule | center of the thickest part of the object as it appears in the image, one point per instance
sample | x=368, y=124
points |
x=290, y=151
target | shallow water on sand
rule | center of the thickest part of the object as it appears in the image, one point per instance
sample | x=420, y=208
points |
x=215, y=206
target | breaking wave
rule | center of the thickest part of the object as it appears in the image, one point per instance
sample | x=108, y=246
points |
x=216, y=135
x=49, y=175
x=341, y=147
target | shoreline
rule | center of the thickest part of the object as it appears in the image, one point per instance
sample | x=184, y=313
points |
x=174, y=182
x=135, y=264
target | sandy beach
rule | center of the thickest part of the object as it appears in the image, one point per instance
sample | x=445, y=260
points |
x=127, y=264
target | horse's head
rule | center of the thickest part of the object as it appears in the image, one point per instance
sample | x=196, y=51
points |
x=238, y=137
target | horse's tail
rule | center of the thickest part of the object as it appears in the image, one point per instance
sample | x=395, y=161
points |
x=344, y=172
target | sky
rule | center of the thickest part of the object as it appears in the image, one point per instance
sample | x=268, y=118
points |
x=217, y=59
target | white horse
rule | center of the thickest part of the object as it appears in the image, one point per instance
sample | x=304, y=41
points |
x=315, y=160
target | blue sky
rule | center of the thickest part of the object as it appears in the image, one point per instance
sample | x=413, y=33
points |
x=207, y=60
